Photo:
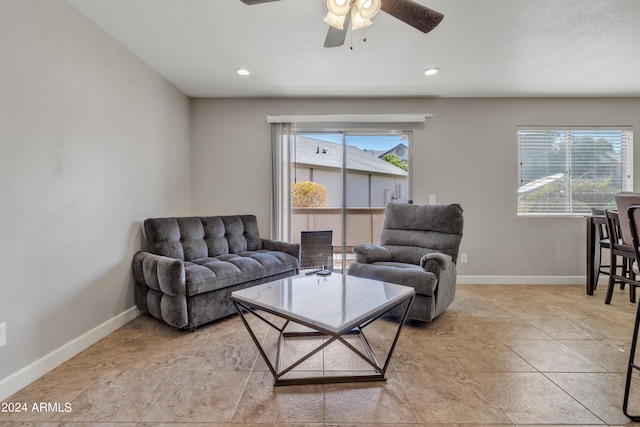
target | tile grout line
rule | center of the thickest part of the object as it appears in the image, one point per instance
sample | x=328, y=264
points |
x=251, y=371
x=406, y=394
x=574, y=399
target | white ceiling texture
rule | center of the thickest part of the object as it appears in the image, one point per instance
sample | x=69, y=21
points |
x=484, y=48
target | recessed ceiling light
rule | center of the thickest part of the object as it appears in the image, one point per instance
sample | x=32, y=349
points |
x=242, y=71
x=431, y=71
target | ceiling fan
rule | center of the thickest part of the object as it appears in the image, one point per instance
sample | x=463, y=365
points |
x=360, y=12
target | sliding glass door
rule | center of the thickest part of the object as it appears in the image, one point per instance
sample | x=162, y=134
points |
x=340, y=183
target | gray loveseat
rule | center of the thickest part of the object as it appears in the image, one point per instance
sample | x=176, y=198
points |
x=192, y=264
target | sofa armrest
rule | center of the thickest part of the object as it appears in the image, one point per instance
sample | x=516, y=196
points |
x=366, y=254
x=161, y=273
x=436, y=261
x=292, y=249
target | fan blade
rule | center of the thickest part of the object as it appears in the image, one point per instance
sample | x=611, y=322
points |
x=335, y=37
x=252, y=2
x=412, y=13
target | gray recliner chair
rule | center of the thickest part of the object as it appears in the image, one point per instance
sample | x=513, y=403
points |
x=418, y=248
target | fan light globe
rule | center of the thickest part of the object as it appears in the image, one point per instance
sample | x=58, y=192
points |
x=338, y=7
x=357, y=21
x=335, y=21
x=368, y=8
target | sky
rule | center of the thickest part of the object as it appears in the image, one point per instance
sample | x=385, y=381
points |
x=364, y=142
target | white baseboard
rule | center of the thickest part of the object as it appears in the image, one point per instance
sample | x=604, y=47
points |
x=35, y=370
x=522, y=280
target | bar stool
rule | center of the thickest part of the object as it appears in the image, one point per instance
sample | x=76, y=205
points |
x=619, y=247
x=603, y=241
x=628, y=205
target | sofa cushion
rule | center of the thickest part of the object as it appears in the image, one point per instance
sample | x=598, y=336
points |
x=211, y=273
x=214, y=236
x=190, y=238
x=241, y=233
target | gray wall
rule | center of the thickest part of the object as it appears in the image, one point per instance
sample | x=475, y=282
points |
x=466, y=154
x=92, y=142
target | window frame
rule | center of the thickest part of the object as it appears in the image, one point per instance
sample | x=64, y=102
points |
x=570, y=136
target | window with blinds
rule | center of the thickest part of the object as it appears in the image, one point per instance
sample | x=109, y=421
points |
x=568, y=171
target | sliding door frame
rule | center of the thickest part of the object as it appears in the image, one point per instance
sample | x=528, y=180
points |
x=345, y=132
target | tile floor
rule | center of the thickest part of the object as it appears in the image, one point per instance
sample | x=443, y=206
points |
x=500, y=355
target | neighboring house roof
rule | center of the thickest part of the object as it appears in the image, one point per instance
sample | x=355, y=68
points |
x=539, y=183
x=316, y=152
x=376, y=153
x=400, y=150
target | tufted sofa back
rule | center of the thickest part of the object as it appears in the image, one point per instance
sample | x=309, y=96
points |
x=189, y=238
x=411, y=231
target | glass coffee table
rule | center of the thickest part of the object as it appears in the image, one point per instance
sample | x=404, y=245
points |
x=325, y=309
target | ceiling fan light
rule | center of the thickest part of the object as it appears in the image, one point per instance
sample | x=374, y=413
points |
x=368, y=8
x=338, y=7
x=335, y=21
x=357, y=21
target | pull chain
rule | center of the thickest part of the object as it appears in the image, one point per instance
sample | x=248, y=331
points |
x=351, y=40
x=364, y=38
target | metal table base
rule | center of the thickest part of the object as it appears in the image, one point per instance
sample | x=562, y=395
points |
x=278, y=371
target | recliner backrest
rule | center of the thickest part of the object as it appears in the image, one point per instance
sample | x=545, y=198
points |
x=411, y=231
x=189, y=238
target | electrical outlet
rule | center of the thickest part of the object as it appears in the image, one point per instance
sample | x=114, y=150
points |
x=432, y=199
x=3, y=334
x=464, y=258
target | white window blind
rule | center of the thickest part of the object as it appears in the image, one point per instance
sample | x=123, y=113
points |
x=568, y=171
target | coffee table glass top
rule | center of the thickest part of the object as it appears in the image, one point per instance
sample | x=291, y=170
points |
x=335, y=303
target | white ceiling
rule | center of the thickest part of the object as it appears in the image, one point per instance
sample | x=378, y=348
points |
x=485, y=48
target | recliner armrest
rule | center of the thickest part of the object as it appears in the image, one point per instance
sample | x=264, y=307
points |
x=292, y=249
x=161, y=273
x=436, y=261
x=367, y=254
